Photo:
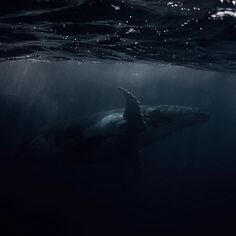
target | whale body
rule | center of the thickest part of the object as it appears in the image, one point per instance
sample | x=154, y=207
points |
x=134, y=125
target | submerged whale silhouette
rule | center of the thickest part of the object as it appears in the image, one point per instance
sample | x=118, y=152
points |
x=135, y=125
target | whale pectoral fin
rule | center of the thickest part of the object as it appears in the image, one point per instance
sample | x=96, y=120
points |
x=132, y=113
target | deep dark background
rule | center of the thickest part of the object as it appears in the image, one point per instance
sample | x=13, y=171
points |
x=184, y=184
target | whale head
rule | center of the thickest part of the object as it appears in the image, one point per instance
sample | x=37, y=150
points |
x=175, y=116
x=163, y=120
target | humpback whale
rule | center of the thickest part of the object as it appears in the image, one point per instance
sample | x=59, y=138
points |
x=134, y=125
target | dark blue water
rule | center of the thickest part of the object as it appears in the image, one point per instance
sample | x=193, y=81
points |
x=63, y=59
x=189, y=32
x=185, y=183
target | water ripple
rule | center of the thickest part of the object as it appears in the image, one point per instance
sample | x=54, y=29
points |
x=191, y=33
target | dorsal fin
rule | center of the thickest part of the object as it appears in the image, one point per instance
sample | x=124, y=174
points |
x=132, y=113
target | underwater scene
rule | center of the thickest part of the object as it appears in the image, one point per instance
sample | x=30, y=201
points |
x=117, y=117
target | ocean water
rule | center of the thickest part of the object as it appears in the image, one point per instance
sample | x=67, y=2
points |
x=190, y=32
x=62, y=60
